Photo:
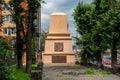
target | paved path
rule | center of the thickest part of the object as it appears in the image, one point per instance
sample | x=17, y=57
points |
x=72, y=72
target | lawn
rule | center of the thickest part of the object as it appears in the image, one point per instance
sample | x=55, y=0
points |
x=19, y=74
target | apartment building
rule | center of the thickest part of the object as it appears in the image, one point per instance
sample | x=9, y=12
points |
x=7, y=27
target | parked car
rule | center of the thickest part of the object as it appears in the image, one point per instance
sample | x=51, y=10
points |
x=118, y=61
x=106, y=60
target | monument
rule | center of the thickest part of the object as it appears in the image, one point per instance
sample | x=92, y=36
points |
x=58, y=44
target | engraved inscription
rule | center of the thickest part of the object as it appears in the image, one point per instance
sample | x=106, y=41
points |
x=58, y=47
x=59, y=59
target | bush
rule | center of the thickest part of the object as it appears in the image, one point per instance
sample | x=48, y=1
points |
x=5, y=71
x=33, y=51
x=90, y=71
x=19, y=74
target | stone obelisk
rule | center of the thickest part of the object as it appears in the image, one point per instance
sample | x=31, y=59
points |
x=58, y=44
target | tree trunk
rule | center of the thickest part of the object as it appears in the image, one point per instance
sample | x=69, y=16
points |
x=98, y=59
x=98, y=52
x=28, y=42
x=114, y=44
x=19, y=47
x=19, y=61
x=28, y=51
x=114, y=54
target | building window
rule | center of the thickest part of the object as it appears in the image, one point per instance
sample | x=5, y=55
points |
x=5, y=30
x=58, y=47
x=13, y=30
x=7, y=18
x=7, y=6
x=9, y=30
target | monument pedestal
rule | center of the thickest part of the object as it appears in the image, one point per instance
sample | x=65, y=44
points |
x=58, y=44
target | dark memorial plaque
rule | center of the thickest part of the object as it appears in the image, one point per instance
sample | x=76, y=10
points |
x=58, y=47
x=58, y=59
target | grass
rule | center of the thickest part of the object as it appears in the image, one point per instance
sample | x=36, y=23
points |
x=34, y=66
x=45, y=77
x=92, y=71
x=19, y=74
x=103, y=72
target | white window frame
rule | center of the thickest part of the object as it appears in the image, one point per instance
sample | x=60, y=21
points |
x=4, y=7
x=9, y=30
x=7, y=18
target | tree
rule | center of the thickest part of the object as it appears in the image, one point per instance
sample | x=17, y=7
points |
x=33, y=5
x=17, y=18
x=101, y=7
x=88, y=21
x=114, y=25
x=83, y=19
x=112, y=3
x=111, y=21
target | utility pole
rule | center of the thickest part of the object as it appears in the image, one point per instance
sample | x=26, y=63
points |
x=38, y=30
x=39, y=26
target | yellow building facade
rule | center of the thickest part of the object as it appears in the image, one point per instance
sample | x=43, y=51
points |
x=7, y=27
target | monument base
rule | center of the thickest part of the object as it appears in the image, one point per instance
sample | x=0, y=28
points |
x=58, y=44
x=58, y=58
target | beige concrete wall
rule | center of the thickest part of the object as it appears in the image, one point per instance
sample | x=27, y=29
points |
x=58, y=23
x=47, y=59
x=70, y=59
x=58, y=33
x=67, y=46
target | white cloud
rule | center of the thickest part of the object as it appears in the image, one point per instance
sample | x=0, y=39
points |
x=49, y=5
x=44, y=17
x=66, y=6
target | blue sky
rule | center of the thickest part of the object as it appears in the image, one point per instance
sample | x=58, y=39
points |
x=66, y=6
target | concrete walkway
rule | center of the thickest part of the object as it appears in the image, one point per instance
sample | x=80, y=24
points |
x=72, y=72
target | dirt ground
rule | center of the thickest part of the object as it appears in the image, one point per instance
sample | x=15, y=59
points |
x=72, y=72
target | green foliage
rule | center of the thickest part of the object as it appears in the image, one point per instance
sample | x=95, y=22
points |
x=83, y=15
x=5, y=71
x=90, y=71
x=6, y=48
x=14, y=73
x=80, y=17
x=111, y=21
x=34, y=66
x=89, y=19
x=5, y=44
x=42, y=38
x=103, y=72
x=33, y=51
x=93, y=70
x=19, y=74
x=98, y=24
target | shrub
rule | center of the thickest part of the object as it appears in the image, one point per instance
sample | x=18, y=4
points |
x=90, y=71
x=5, y=71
